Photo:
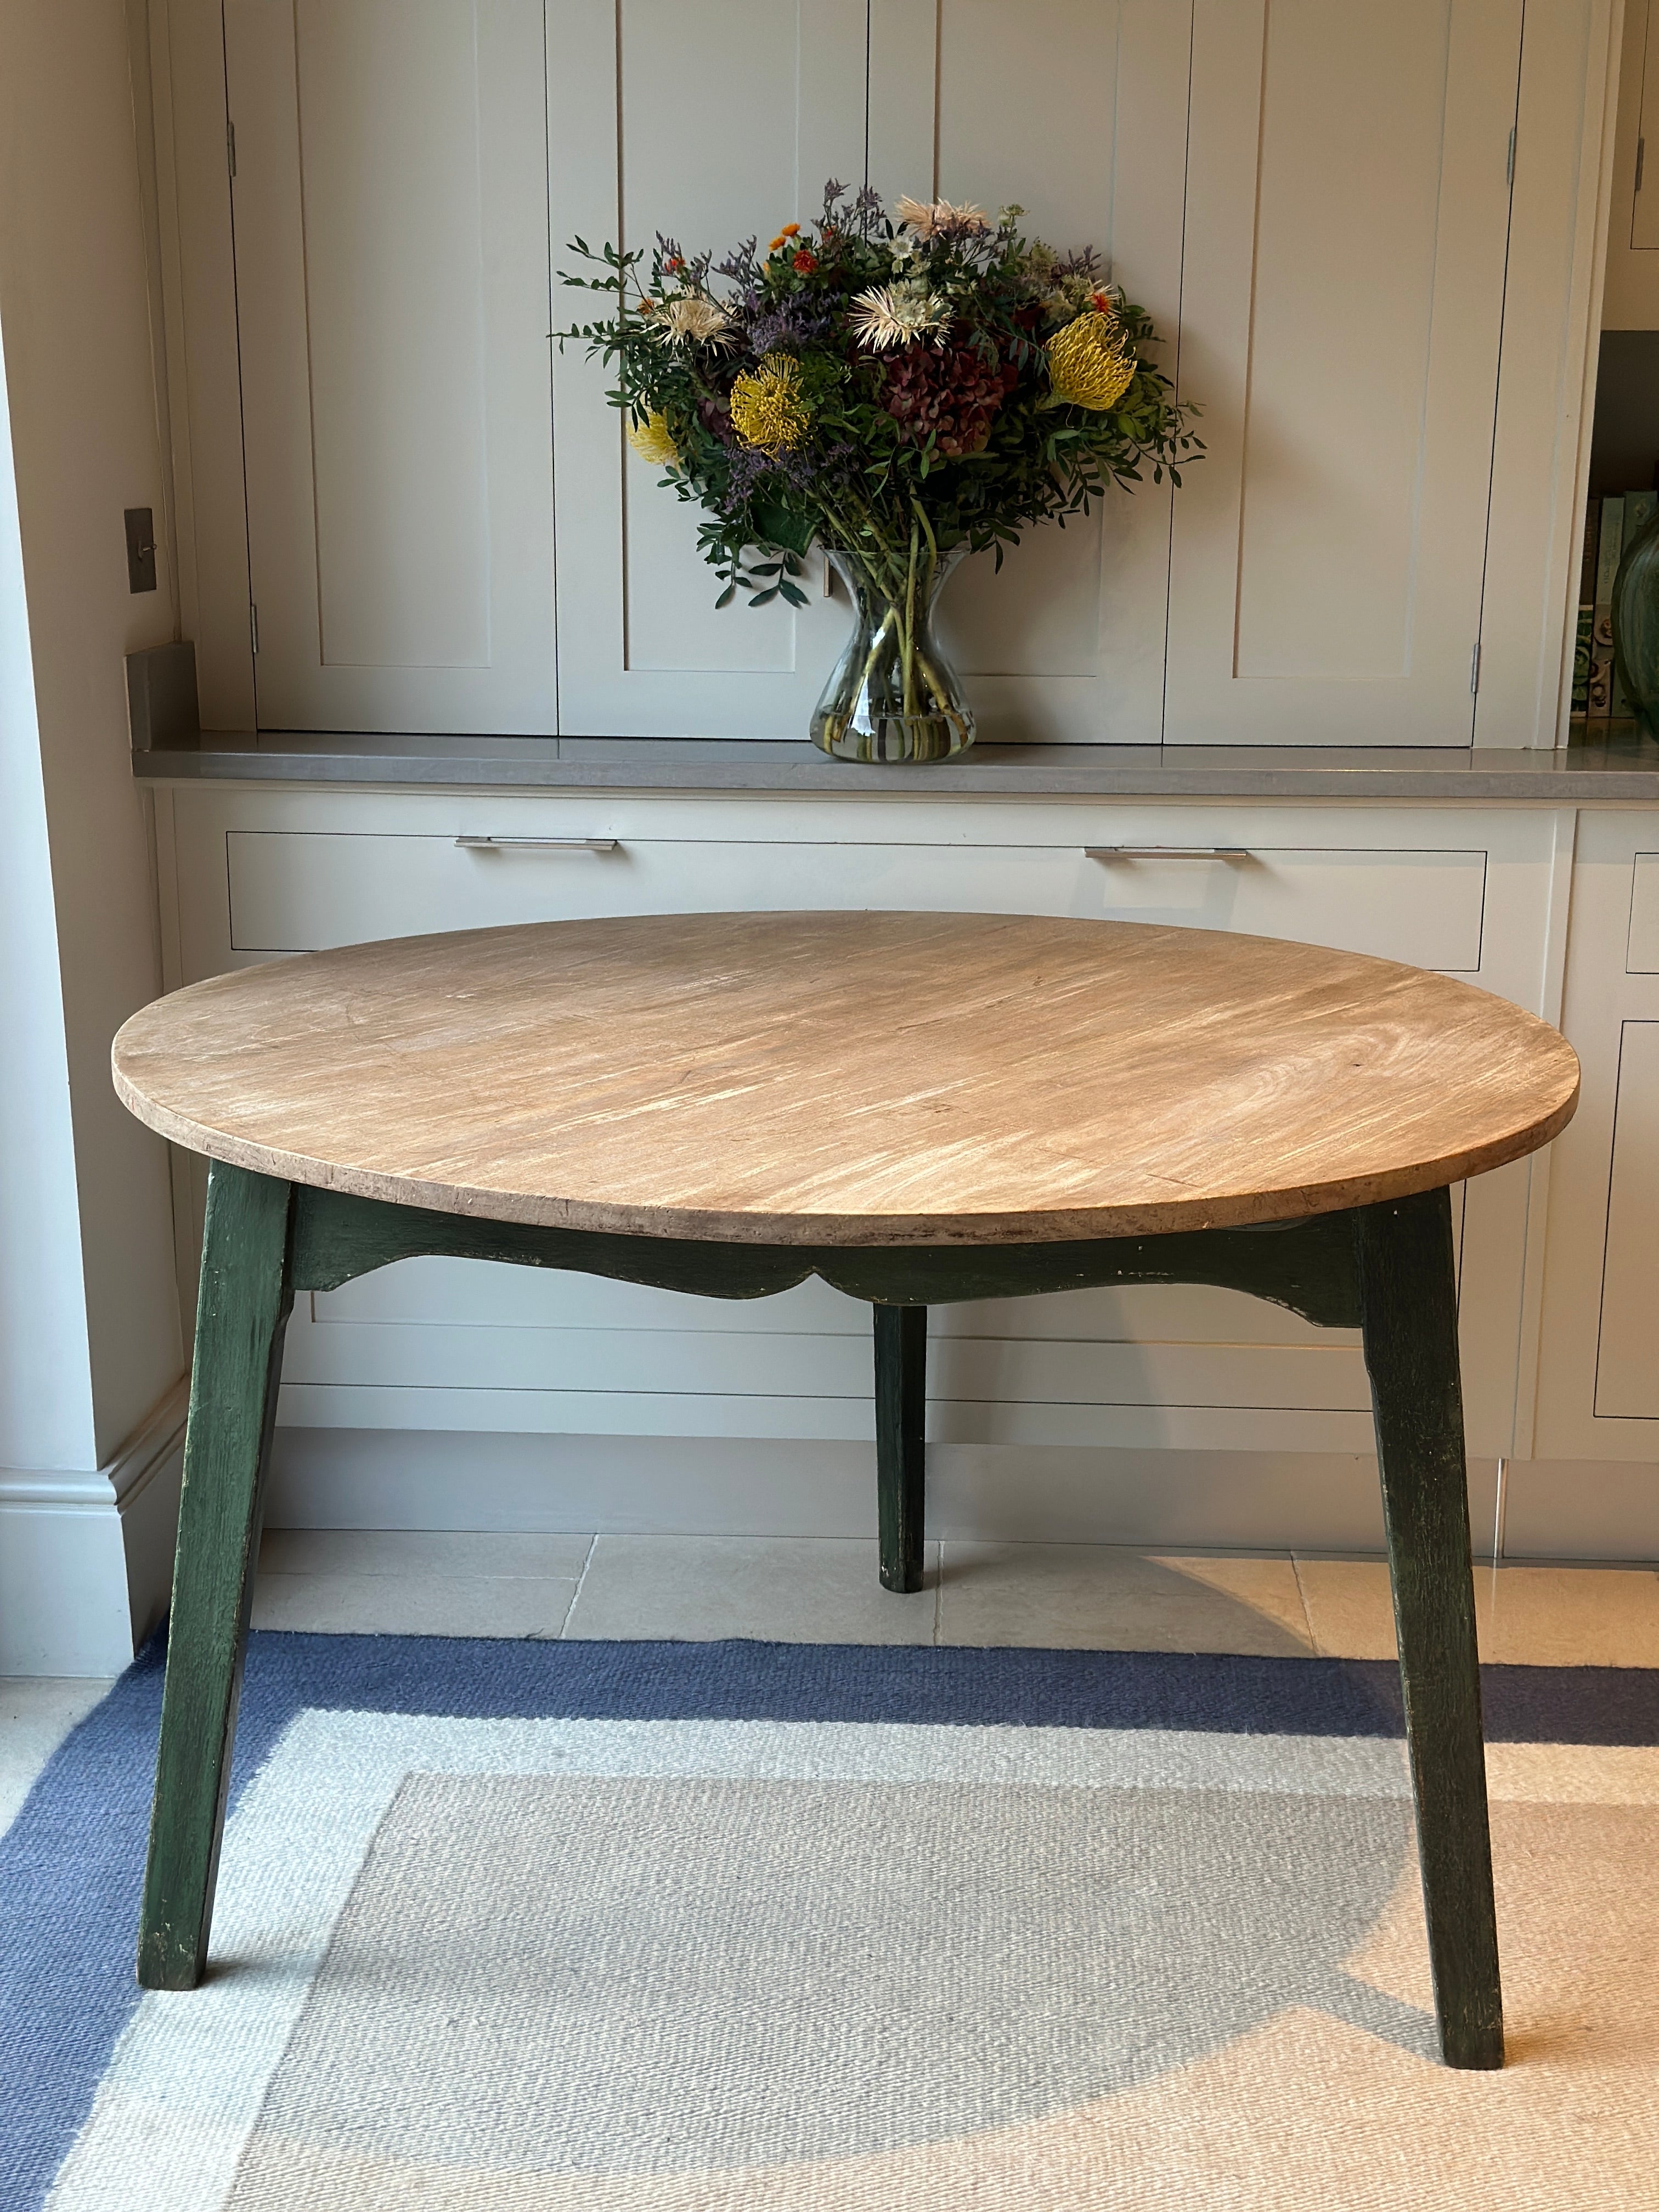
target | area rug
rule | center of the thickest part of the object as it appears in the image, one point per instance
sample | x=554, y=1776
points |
x=668, y=1927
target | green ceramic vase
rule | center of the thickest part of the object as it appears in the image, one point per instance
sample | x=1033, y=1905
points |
x=1636, y=624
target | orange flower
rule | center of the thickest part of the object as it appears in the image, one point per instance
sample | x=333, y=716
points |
x=790, y=230
x=806, y=263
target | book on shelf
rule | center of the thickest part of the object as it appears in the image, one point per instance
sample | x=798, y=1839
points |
x=1581, y=659
x=1610, y=537
x=1581, y=652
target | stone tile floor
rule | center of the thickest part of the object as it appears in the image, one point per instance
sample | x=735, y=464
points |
x=825, y=1589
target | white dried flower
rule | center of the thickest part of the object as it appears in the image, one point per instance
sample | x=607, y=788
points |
x=693, y=319
x=924, y=217
x=893, y=315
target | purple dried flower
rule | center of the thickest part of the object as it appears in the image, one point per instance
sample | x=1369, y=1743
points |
x=868, y=209
x=792, y=322
x=749, y=464
x=740, y=264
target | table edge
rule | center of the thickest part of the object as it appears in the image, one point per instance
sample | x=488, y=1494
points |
x=1240, y=1210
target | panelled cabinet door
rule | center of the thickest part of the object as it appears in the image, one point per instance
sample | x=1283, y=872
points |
x=1347, y=212
x=392, y=299
x=713, y=124
x=963, y=98
x=1065, y=644
x=1630, y=300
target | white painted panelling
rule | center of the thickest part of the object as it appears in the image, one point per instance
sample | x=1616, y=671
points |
x=1632, y=298
x=363, y=1478
x=393, y=291
x=1642, y=947
x=962, y=1369
x=1644, y=208
x=1342, y=293
x=1627, y=1373
x=641, y=97
x=1324, y=230
x=1168, y=1426
x=1067, y=642
x=294, y=891
x=1540, y=447
x=1596, y=1398
x=391, y=196
x=198, y=302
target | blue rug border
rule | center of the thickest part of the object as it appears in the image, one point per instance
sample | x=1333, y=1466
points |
x=71, y=1865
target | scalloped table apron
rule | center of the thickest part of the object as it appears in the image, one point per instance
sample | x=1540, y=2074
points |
x=919, y=1107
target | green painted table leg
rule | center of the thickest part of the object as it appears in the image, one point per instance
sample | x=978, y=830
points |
x=900, y=1410
x=1408, y=1291
x=243, y=1309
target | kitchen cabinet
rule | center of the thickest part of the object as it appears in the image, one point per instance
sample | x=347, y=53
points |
x=1313, y=200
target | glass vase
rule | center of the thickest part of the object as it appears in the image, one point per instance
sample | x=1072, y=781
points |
x=894, y=696
x=1635, y=625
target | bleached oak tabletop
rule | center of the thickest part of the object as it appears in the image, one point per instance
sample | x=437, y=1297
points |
x=850, y=1077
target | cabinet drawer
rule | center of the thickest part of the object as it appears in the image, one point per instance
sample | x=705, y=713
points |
x=294, y=891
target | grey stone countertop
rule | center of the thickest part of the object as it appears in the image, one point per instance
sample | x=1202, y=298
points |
x=1624, y=767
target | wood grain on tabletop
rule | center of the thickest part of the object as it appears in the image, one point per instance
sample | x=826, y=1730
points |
x=850, y=1077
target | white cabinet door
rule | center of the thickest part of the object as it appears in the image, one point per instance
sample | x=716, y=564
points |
x=393, y=298
x=1347, y=212
x=1597, y=1398
x=1067, y=643
x=1630, y=300
x=713, y=124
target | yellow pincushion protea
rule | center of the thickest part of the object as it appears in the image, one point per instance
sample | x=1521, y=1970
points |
x=1090, y=363
x=653, y=441
x=768, y=411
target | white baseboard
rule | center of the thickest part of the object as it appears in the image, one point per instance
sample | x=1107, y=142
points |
x=1237, y=1500
x=86, y=1559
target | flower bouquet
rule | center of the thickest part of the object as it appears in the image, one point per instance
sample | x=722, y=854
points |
x=903, y=390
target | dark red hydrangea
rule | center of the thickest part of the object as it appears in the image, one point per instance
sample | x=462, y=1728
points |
x=950, y=391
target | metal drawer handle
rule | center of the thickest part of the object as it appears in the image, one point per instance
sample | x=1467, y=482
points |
x=539, y=844
x=1166, y=853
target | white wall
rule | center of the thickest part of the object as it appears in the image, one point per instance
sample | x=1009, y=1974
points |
x=45, y=1393
x=88, y=1305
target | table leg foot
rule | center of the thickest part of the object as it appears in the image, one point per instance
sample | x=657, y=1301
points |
x=901, y=1474
x=240, y=1317
x=1409, y=1295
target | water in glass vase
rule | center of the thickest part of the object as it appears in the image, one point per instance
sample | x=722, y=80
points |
x=894, y=696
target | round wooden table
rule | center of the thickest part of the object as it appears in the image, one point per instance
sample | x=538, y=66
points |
x=920, y=1109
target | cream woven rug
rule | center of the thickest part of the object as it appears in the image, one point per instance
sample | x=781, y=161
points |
x=1157, y=1943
